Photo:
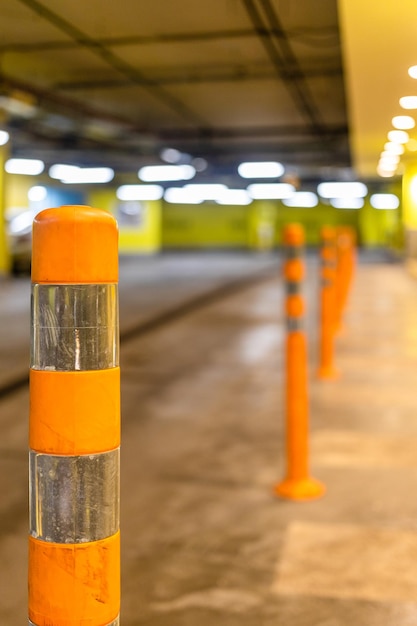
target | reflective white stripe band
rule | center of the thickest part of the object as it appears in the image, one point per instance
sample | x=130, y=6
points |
x=75, y=327
x=116, y=622
x=74, y=499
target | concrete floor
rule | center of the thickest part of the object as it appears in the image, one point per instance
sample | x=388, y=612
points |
x=204, y=540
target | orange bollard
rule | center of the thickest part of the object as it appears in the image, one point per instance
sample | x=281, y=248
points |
x=328, y=304
x=297, y=485
x=74, y=430
x=345, y=243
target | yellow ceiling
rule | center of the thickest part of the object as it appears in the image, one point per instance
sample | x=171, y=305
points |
x=379, y=44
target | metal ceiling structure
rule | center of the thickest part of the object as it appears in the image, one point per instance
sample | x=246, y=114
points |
x=304, y=82
x=224, y=81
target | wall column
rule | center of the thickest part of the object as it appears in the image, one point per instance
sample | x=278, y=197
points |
x=5, y=260
x=409, y=209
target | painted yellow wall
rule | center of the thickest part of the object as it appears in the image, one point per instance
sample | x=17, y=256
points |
x=5, y=261
x=260, y=225
x=257, y=226
x=143, y=238
x=16, y=191
x=409, y=196
x=204, y=226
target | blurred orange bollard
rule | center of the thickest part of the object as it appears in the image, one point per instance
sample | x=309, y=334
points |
x=74, y=429
x=328, y=304
x=345, y=243
x=297, y=485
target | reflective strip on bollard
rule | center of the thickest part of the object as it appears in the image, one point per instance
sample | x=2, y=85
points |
x=75, y=327
x=74, y=499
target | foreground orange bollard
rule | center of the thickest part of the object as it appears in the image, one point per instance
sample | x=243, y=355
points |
x=328, y=304
x=74, y=431
x=345, y=244
x=297, y=485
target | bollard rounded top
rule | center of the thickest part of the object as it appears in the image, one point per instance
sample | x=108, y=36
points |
x=74, y=244
x=294, y=235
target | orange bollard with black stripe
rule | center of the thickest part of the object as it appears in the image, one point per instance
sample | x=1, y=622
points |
x=328, y=304
x=74, y=430
x=298, y=484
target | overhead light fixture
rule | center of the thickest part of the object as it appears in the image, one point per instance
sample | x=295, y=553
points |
x=139, y=192
x=384, y=201
x=270, y=191
x=4, y=137
x=398, y=136
x=234, y=197
x=59, y=171
x=342, y=190
x=206, y=191
x=37, y=193
x=261, y=169
x=27, y=167
x=170, y=155
x=302, y=199
x=347, y=203
x=408, y=102
x=403, y=122
x=199, y=164
x=412, y=71
x=181, y=195
x=394, y=148
x=159, y=173
x=384, y=171
x=18, y=103
x=73, y=175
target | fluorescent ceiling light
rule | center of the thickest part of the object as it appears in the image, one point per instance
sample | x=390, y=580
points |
x=270, y=191
x=37, y=193
x=394, y=148
x=412, y=71
x=302, y=199
x=342, y=190
x=390, y=156
x=403, y=122
x=206, y=191
x=384, y=201
x=398, y=136
x=139, y=192
x=28, y=167
x=73, y=175
x=264, y=169
x=408, y=102
x=384, y=172
x=155, y=173
x=181, y=195
x=234, y=197
x=59, y=171
x=347, y=203
x=4, y=137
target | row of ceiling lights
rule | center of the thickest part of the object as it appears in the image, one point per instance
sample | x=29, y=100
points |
x=398, y=137
x=347, y=195
x=341, y=195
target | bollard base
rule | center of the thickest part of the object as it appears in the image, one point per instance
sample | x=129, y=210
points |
x=300, y=489
x=328, y=373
